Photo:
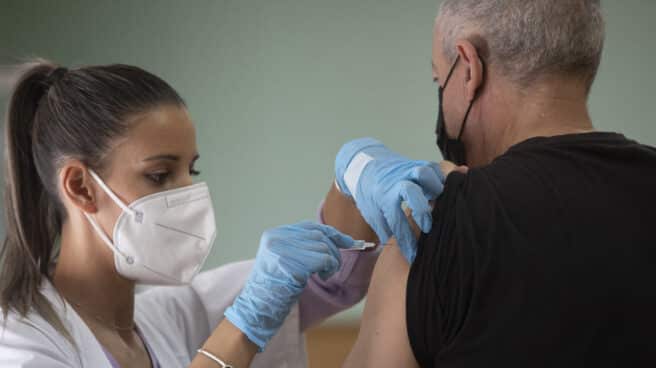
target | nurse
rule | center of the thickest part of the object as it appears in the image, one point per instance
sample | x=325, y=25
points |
x=100, y=197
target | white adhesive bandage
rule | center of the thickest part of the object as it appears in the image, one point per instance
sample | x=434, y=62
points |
x=354, y=171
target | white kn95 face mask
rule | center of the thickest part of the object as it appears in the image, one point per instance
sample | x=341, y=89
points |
x=162, y=238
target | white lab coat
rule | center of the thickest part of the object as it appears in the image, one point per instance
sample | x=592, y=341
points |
x=175, y=321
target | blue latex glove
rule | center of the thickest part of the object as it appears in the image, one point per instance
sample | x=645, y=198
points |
x=286, y=259
x=380, y=180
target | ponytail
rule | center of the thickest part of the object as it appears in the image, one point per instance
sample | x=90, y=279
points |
x=32, y=222
x=55, y=114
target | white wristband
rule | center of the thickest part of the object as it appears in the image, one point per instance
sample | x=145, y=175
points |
x=214, y=358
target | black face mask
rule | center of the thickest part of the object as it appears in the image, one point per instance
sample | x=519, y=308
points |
x=452, y=149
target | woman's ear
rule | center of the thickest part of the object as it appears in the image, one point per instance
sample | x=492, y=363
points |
x=475, y=70
x=77, y=186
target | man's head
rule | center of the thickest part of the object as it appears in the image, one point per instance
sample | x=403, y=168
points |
x=507, y=52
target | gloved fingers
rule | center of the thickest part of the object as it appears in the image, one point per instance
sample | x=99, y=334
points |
x=337, y=238
x=303, y=240
x=370, y=207
x=308, y=229
x=320, y=231
x=405, y=238
x=331, y=266
x=400, y=227
x=429, y=177
x=409, y=250
x=379, y=225
x=320, y=257
x=311, y=243
x=307, y=225
x=413, y=195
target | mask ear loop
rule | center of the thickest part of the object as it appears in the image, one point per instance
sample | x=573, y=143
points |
x=137, y=215
x=441, y=93
x=105, y=238
x=464, y=121
x=453, y=68
x=471, y=104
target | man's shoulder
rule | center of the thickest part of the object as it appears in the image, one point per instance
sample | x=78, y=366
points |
x=510, y=193
x=505, y=181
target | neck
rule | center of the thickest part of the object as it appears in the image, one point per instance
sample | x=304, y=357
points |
x=552, y=108
x=85, y=275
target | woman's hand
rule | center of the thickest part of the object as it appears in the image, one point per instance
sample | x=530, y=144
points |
x=447, y=168
x=286, y=259
x=380, y=180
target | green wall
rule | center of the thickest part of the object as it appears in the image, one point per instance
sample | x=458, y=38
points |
x=275, y=87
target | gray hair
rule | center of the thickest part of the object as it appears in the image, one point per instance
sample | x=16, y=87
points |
x=528, y=39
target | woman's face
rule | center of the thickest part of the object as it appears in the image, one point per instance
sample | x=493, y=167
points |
x=158, y=153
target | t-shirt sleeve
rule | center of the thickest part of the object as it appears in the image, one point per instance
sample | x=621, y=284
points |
x=440, y=280
x=455, y=263
x=468, y=282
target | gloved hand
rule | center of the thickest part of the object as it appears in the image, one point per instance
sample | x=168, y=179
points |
x=380, y=180
x=286, y=259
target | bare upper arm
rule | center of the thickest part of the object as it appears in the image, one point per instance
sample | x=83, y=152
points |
x=340, y=212
x=383, y=338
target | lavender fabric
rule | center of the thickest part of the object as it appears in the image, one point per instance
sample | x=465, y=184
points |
x=322, y=299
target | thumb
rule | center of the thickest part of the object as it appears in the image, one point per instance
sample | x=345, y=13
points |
x=413, y=195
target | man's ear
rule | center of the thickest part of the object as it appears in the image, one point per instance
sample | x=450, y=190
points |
x=475, y=70
x=77, y=186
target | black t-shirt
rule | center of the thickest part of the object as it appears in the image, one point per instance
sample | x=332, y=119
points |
x=544, y=258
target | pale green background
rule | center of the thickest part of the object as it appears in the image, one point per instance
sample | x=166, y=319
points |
x=275, y=87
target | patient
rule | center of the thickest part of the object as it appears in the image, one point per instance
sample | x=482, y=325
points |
x=542, y=254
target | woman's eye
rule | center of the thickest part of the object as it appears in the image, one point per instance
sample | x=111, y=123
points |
x=157, y=178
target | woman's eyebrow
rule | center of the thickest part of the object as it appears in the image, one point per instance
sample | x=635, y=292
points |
x=163, y=157
x=170, y=157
